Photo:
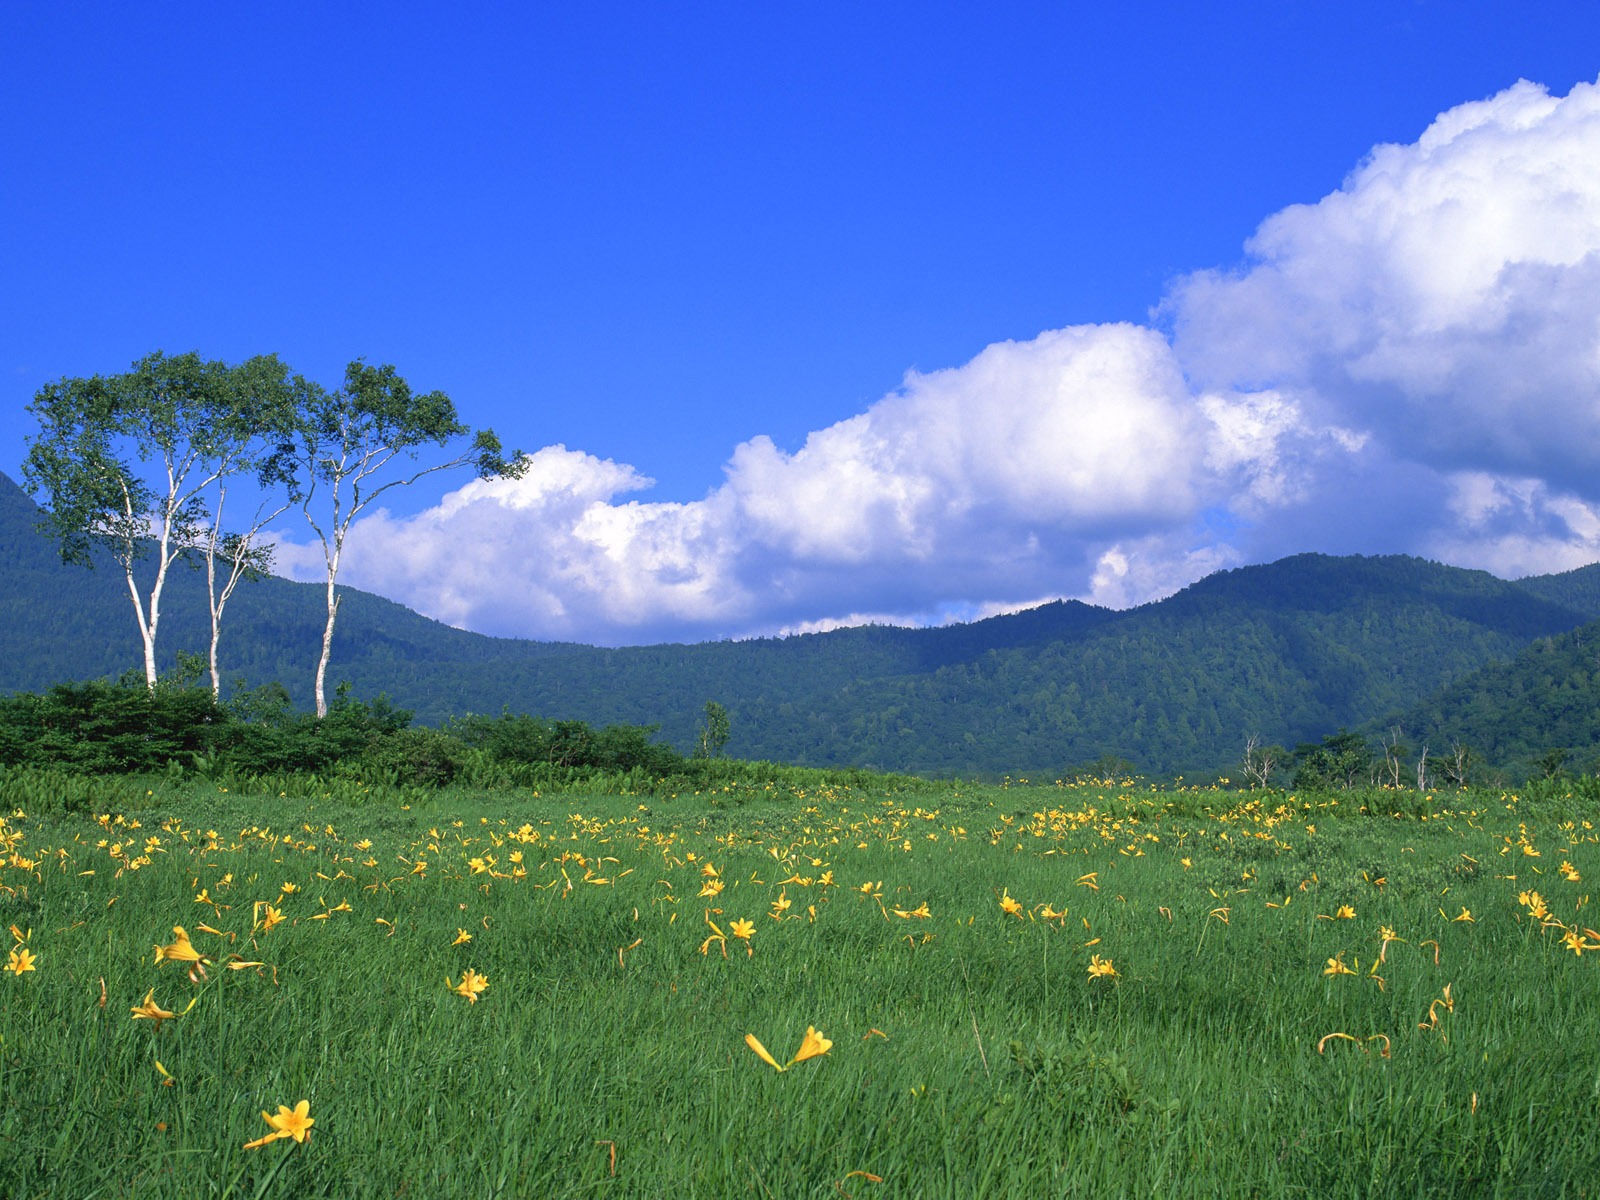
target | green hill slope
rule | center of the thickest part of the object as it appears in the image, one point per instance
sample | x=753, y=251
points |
x=66, y=622
x=1514, y=712
x=1289, y=651
x=1578, y=590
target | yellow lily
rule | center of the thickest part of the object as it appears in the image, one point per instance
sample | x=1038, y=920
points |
x=289, y=1122
x=151, y=1011
x=813, y=1045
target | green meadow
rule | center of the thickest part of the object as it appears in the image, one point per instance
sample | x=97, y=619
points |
x=1103, y=989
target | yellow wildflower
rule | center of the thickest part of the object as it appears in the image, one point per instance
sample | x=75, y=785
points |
x=151, y=1011
x=1336, y=967
x=462, y=938
x=1009, y=905
x=812, y=1045
x=289, y=1122
x=1578, y=943
x=1385, y=936
x=21, y=959
x=765, y=1055
x=471, y=985
x=181, y=949
x=716, y=935
x=1101, y=968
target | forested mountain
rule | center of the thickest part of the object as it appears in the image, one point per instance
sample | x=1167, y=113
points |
x=67, y=622
x=1289, y=651
x=1523, y=713
x=1578, y=590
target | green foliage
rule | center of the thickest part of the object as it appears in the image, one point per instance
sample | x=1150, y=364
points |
x=1341, y=761
x=1578, y=590
x=46, y=791
x=188, y=423
x=123, y=727
x=1515, y=713
x=1081, y=1083
x=712, y=739
x=104, y=728
x=346, y=441
x=1288, y=651
x=520, y=739
x=423, y=757
x=1221, y=1060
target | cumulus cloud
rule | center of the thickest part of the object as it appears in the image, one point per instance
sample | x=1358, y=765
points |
x=981, y=484
x=554, y=554
x=1445, y=297
x=1412, y=363
x=1514, y=527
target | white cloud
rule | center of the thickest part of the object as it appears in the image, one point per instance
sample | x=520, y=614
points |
x=1516, y=527
x=1077, y=429
x=1410, y=363
x=990, y=483
x=553, y=553
x=1444, y=298
x=1146, y=569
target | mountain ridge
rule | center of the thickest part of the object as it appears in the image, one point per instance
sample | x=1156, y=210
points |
x=1289, y=651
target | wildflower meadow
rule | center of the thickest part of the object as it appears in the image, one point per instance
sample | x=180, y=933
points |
x=1102, y=989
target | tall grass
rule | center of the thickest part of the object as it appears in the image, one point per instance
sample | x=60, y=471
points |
x=973, y=1052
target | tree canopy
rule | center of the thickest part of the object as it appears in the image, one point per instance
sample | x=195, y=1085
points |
x=130, y=463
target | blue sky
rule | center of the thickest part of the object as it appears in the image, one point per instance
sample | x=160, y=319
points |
x=705, y=244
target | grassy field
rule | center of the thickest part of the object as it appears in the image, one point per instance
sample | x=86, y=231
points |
x=1020, y=991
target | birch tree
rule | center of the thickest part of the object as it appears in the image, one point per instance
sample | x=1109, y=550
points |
x=363, y=439
x=243, y=555
x=125, y=462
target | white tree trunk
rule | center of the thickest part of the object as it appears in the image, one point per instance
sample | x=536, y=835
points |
x=149, y=618
x=327, y=640
x=216, y=624
x=147, y=633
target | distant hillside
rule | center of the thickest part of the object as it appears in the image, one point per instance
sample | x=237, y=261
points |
x=66, y=622
x=1578, y=590
x=1512, y=713
x=1289, y=651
